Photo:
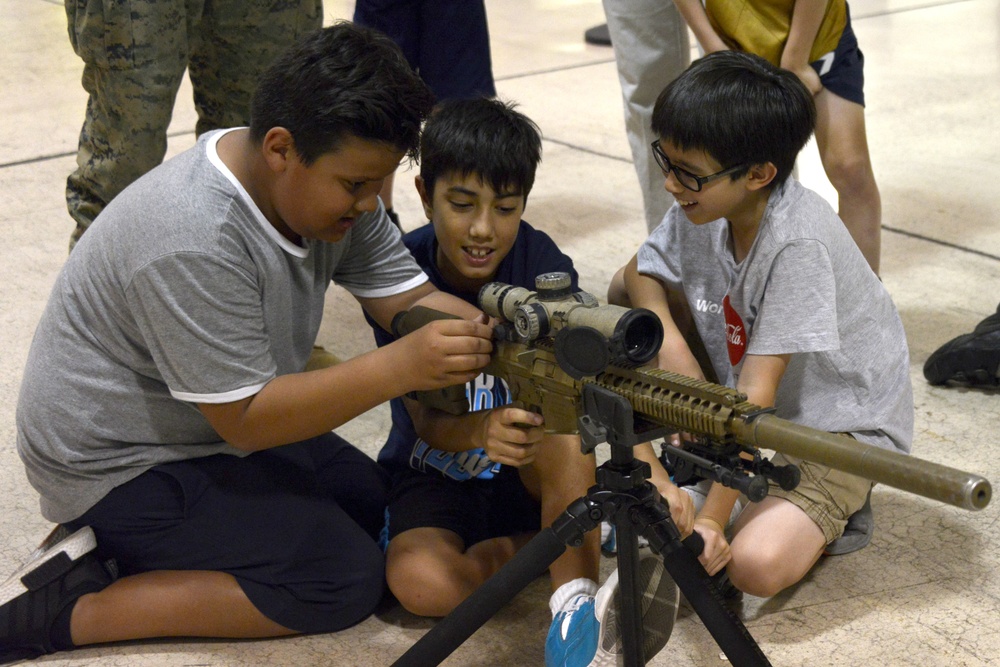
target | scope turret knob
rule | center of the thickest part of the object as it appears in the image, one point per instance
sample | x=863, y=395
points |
x=554, y=285
x=530, y=320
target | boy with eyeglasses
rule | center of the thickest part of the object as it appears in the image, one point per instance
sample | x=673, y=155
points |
x=779, y=295
x=814, y=40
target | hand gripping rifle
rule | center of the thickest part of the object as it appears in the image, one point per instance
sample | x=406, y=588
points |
x=578, y=364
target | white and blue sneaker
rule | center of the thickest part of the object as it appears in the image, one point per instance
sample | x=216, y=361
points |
x=587, y=632
x=574, y=635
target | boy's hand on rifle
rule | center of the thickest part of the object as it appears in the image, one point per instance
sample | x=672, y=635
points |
x=716, y=553
x=681, y=508
x=444, y=352
x=511, y=435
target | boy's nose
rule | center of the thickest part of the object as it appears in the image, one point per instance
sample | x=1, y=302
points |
x=367, y=203
x=482, y=226
x=672, y=185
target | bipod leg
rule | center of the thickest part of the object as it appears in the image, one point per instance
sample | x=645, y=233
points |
x=681, y=562
x=629, y=595
x=530, y=562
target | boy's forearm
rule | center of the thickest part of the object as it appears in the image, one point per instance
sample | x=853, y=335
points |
x=696, y=17
x=449, y=433
x=295, y=407
x=448, y=303
x=648, y=292
x=760, y=376
x=719, y=505
x=807, y=17
x=383, y=309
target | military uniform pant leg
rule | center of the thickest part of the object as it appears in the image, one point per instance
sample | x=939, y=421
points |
x=134, y=58
x=234, y=45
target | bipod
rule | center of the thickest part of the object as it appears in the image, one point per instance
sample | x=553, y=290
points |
x=624, y=497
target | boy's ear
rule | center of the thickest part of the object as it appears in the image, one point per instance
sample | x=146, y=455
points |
x=278, y=148
x=761, y=175
x=425, y=197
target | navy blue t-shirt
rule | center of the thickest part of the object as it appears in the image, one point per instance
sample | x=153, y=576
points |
x=533, y=253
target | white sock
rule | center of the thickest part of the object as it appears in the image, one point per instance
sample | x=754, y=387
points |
x=565, y=593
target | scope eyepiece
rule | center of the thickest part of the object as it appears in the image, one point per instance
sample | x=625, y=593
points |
x=637, y=337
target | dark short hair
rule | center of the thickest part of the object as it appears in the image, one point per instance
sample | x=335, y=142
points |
x=341, y=81
x=738, y=108
x=481, y=136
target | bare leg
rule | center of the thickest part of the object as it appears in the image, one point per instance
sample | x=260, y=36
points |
x=430, y=572
x=843, y=148
x=561, y=474
x=190, y=603
x=774, y=545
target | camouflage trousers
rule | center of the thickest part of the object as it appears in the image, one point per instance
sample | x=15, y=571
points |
x=135, y=53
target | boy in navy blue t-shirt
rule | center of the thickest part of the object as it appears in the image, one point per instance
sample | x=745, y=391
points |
x=469, y=491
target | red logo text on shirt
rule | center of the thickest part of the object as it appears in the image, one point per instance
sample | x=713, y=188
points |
x=736, y=337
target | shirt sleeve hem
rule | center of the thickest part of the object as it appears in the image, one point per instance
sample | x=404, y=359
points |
x=224, y=397
x=391, y=290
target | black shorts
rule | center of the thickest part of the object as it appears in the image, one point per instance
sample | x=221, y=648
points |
x=297, y=526
x=842, y=70
x=475, y=509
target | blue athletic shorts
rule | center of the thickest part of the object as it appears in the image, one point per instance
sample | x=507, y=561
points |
x=475, y=509
x=297, y=526
x=842, y=70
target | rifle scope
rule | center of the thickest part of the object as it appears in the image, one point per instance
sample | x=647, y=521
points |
x=587, y=336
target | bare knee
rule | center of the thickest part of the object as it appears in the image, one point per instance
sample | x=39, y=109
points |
x=852, y=176
x=760, y=572
x=424, y=582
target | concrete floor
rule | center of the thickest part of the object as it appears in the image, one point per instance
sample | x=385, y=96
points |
x=925, y=592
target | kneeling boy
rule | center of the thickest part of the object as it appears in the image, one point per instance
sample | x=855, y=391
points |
x=786, y=305
x=165, y=407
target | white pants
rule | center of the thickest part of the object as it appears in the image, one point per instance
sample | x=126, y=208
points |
x=651, y=45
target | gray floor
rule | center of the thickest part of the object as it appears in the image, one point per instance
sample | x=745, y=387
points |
x=925, y=592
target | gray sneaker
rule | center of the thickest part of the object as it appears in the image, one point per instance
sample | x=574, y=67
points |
x=660, y=599
x=857, y=533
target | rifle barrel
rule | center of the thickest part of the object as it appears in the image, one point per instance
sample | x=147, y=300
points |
x=723, y=414
x=925, y=478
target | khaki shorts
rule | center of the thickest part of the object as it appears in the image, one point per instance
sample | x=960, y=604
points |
x=826, y=495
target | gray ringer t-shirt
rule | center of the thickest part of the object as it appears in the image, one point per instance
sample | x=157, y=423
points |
x=181, y=292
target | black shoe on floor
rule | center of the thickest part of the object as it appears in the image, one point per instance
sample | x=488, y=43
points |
x=969, y=360
x=599, y=35
x=34, y=596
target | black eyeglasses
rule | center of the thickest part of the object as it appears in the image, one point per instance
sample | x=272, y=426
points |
x=684, y=177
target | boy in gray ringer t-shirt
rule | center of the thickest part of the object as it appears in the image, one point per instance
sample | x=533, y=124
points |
x=787, y=308
x=165, y=406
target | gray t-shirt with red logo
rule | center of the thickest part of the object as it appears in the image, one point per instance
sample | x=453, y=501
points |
x=804, y=289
